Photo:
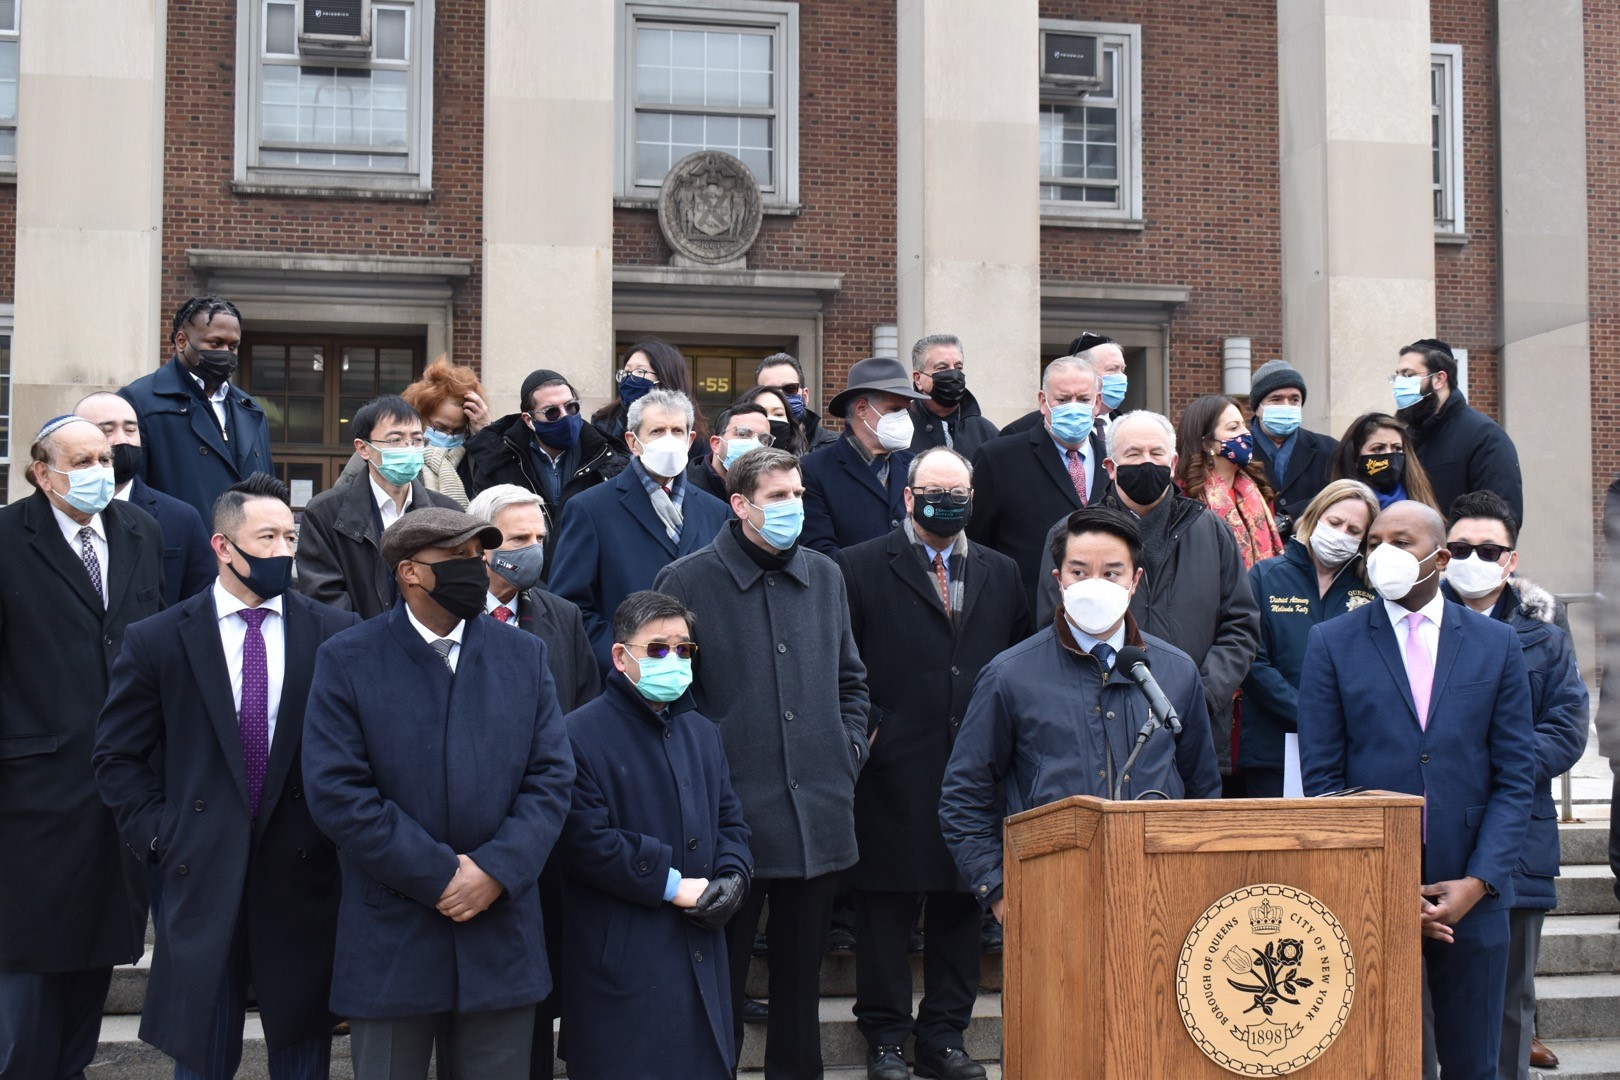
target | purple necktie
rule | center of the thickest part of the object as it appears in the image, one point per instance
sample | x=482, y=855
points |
x=255, y=710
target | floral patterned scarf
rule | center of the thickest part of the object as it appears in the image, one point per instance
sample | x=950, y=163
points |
x=1243, y=508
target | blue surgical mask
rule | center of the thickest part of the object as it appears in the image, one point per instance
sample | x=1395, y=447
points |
x=89, y=490
x=663, y=680
x=443, y=441
x=1113, y=389
x=399, y=464
x=1071, y=423
x=796, y=405
x=736, y=448
x=1408, y=390
x=783, y=523
x=1281, y=420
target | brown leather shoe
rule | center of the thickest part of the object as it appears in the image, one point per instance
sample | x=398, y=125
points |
x=1540, y=1056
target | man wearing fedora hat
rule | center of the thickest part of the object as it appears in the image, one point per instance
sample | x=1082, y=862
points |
x=854, y=489
x=436, y=759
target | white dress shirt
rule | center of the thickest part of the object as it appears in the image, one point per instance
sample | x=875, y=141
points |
x=430, y=637
x=1428, y=629
x=385, y=501
x=233, y=636
x=98, y=542
x=491, y=602
x=217, y=400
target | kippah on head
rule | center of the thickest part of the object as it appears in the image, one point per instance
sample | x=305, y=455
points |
x=56, y=424
x=1089, y=340
x=535, y=380
x=1433, y=343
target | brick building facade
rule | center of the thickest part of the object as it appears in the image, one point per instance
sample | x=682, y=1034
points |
x=1217, y=206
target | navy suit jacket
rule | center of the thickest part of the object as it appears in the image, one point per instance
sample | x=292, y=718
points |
x=844, y=504
x=188, y=561
x=185, y=455
x=1475, y=763
x=406, y=766
x=171, y=693
x=613, y=543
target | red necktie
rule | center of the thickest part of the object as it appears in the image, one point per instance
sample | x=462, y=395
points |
x=502, y=613
x=1077, y=473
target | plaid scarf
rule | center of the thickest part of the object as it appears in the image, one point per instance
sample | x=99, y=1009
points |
x=955, y=566
x=667, y=505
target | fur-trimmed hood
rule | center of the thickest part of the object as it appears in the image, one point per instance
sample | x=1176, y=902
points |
x=1534, y=601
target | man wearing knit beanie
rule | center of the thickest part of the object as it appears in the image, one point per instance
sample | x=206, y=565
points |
x=1296, y=460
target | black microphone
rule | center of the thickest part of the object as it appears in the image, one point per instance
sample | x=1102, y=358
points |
x=1134, y=663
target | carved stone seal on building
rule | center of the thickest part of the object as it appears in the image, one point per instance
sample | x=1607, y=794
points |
x=710, y=209
x=1266, y=980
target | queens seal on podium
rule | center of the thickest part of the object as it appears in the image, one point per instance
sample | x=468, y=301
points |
x=1266, y=980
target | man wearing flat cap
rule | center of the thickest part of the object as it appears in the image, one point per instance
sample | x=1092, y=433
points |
x=546, y=447
x=80, y=567
x=436, y=759
x=854, y=489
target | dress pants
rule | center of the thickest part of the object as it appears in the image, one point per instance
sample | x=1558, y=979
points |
x=883, y=923
x=49, y=1022
x=1467, y=980
x=309, y=1059
x=801, y=912
x=1519, y=1004
x=486, y=1045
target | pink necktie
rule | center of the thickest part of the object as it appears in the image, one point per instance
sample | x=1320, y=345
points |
x=1077, y=473
x=1419, y=668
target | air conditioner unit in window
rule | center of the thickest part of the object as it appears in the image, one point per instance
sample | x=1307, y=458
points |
x=334, y=28
x=1071, y=64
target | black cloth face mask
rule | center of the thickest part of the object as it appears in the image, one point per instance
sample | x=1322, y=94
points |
x=1144, y=482
x=215, y=366
x=267, y=577
x=460, y=585
x=1382, y=472
x=950, y=387
x=127, y=458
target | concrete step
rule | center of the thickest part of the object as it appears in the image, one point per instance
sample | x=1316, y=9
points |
x=842, y=1044
x=1586, y=890
x=1579, y=944
x=1584, y=843
x=838, y=975
x=127, y=994
x=1583, y=1059
x=122, y=1055
x=1578, y=1006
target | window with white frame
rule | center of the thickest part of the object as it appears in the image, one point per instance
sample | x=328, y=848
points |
x=1091, y=140
x=708, y=76
x=354, y=114
x=1446, y=136
x=10, y=14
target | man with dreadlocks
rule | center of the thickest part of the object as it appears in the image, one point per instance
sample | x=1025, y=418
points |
x=200, y=433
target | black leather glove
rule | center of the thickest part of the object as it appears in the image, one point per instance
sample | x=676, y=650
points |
x=719, y=901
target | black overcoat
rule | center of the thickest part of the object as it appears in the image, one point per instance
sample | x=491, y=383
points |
x=646, y=987
x=72, y=895
x=920, y=670
x=171, y=690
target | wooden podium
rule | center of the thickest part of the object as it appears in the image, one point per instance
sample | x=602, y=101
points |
x=1288, y=929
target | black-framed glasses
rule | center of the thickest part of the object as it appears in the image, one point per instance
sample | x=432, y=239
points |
x=640, y=373
x=789, y=388
x=1461, y=549
x=657, y=650
x=553, y=413
x=948, y=496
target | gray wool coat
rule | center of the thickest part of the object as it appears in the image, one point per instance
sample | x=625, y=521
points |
x=778, y=670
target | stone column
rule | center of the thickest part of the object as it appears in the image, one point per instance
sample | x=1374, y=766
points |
x=1357, y=213
x=548, y=211
x=969, y=190
x=1546, y=358
x=89, y=205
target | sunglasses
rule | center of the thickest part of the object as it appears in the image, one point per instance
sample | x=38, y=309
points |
x=553, y=413
x=657, y=650
x=790, y=388
x=1487, y=552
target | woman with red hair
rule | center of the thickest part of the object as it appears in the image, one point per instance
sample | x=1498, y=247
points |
x=450, y=400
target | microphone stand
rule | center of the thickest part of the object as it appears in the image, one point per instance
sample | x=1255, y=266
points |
x=1141, y=740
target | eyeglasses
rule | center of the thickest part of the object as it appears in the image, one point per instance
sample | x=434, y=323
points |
x=1418, y=375
x=790, y=388
x=640, y=373
x=397, y=442
x=950, y=496
x=764, y=438
x=1488, y=552
x=657, y=650
x=553, y=413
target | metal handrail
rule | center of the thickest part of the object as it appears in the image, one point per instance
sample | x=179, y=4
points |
x=1566, y=796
